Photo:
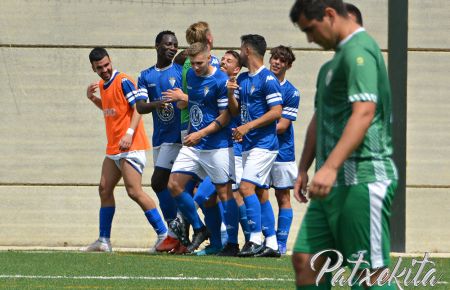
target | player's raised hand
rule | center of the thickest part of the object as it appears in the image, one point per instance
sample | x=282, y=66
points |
x=91, y=90
x=174, y=95
x=300, y=187
x=322, y=182
x=232, y=84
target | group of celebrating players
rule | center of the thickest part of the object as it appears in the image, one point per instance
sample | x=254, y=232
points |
x=220, y=140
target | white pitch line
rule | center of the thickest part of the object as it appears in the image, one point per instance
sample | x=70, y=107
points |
x=144, y=278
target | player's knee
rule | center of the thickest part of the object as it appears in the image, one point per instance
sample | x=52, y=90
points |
x=246, y=190
x=174, y=187
x=158, y=185
x=134, y=193
x=283, y=198
x=103, y=192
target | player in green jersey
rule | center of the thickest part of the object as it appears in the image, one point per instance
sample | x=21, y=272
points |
x=349, y=136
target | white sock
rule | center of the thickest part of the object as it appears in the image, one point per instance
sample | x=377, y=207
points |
x=256, y=238
x=104, y=240
x=271, y=242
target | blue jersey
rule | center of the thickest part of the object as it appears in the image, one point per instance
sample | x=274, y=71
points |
x=237, y=146
x=291, y=99
x=166, y=121
x=207, y=97
x=257, y=93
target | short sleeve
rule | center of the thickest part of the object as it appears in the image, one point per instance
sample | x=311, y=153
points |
x=290, y=104
x=142, y=89
x=362, y=78
x=272, y=91
x=129, y=91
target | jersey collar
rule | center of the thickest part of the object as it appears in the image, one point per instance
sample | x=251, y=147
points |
x=106, y=85
x=345, y=40
x=257, y=72
x=164, y=68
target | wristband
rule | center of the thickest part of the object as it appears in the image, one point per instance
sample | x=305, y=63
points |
x=130, y=131
x=218, y=124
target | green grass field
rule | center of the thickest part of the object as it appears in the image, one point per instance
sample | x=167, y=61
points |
x=120, y=270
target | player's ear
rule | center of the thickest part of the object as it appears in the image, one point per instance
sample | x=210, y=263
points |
x=236, y=70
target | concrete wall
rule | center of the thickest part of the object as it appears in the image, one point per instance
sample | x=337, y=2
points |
x=53, y=136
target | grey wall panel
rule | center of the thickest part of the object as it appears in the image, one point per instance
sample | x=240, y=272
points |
x=428, y=136
x=428, y=24
x=103, y=22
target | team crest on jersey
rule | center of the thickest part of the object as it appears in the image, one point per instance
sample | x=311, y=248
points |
x=328, y=77
x=245, y=116
x=196, y=115
x=205, y=91
x=166, y=113
x=172, y=81
x=252, y=89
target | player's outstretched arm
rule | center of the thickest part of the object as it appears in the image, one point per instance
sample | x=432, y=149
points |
x=91, y=89
x=143, y=107
x=352, y=136
x=307, y=158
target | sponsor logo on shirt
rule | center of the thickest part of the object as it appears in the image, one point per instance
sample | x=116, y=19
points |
x=196, y=115
x=109, y=112
x=166, y=113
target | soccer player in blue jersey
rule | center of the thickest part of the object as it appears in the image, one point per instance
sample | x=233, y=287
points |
x=231, y=65
x=257, y=96
x=207, y=149
x=284, y=171
x=152, y=82
x=197, y=32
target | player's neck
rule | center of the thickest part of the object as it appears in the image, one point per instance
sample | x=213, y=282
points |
x=254, y=64
x=163, y=63
x=348, y=27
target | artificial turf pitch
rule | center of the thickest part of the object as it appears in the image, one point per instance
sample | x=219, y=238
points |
x=121, y=270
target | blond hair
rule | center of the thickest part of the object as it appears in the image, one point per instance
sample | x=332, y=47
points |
x=196, y=48
x=197, y=32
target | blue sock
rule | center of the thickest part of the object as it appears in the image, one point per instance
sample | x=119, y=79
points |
x=284, y=225
x=267, y=219
x=253, y=213
x=190, y=186
x=156, y=221
x=186, y=205
x=106, y=217
x=213, y=220
x=223, y=231
x=243, y=221
x=204, y=191
x=231, y=214
x=167, y=204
